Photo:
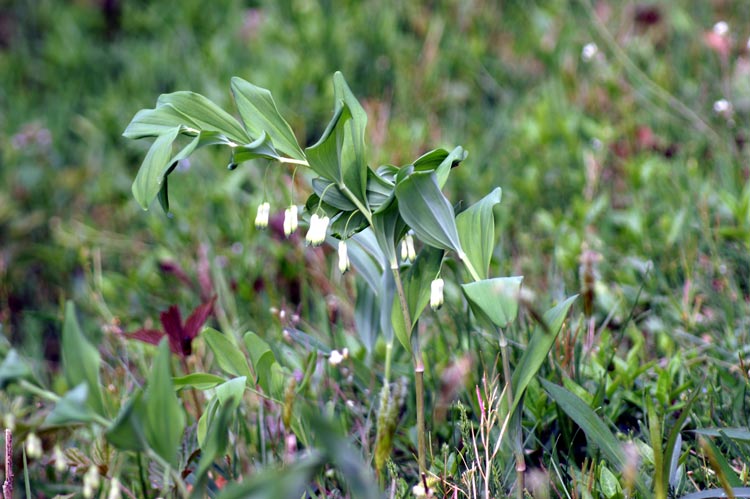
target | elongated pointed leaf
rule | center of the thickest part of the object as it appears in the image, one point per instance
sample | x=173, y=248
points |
x=81, y=360
x=229, y=358
x=199, y=381
x=353, y=150
x=155, y=122
x=597, y=433
x=539, y=346
x=476, y=231
x=262, y=359
x=259, y=148
x=126, y=432
x=156, y=163
x=441, y=162
x=494, y=299
x=260, y=114
x=71, y=408
x=323, y=156
x=426, y=210
x=331, y=194
x=164, y=417
x=205, y=114
x=366, y=315
x=388, y=226
x=13, y=368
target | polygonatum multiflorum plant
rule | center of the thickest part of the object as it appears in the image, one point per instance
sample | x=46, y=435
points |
x=371, y=214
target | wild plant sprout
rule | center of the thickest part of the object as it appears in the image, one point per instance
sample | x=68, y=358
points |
x=371, y=214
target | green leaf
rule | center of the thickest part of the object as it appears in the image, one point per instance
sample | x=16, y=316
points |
x=126, y=432
x=199, y=381
x=205, y=114
x=231, y=391
x=388, y=227
x=262, y=359
x=441, y=162
x=353, y=152
x=426, y=210
x=71, y=408
x=155, y=122
x=81, y=359
x=13, y=368
x=333, y=196
x=216, y=440
x=259, y=148
x=416, y=282
x=148, y=181
x=476, y=231
x=597, y=433
x=494, y=299
x=260, y=114
x=741, y=434
x=608, y=483
x=539, y=346
x=164, y=418
x=367, y=315
x=227, y=355
x=289, y=481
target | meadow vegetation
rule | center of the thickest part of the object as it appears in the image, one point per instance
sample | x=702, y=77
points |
x=325, y=297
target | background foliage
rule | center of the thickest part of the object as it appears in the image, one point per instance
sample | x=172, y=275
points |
x=619, y=159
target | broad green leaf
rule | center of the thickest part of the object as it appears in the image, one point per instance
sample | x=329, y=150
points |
x=126, y=432
x=164, y=418
x=259, y=148
x=597, y=433
x=494, y=299
x=199, y=381
x=426, y=210
x=206, y=420
x=260, y=114
x=262, y=359
x=148, y=181
x=231, y=391
x=388, y=227
x=345, y=225
x=331, y=194
x=289, y=481
x=416, y=282
x=71, y=408
x=364, y=263
x=227, y=355
x=13, y=368
x=367, y=315
x=353, y=151
x=205, y=114
x=729, y=473
x=476, y=231
x=539, y=346
x=81, y=359
x=155, y=122
x=608, y=483
x=387, y=299
x=379, y=191
x=323, y=156
x=718, y=493
x=440, y=161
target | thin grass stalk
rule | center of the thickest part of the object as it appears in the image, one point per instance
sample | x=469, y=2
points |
x=8, y=483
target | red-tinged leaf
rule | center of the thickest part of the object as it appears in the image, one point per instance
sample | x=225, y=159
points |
x=172, y=322
x=151, y=336
x=198, y=318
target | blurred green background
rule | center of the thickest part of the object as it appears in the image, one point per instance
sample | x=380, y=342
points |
x=620, y=148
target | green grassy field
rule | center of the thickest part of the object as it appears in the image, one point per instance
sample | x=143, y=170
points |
x=618, y=133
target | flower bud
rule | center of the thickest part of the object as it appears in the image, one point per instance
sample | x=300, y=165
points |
x=90, y=482
x=114, y=489
x=335, y=358
x=316, y=234
x=33, y=446
x=290, y=220
x=436, y=294
x=344, y=263
x=61, y=463
x=407, y=248
x=261, y=218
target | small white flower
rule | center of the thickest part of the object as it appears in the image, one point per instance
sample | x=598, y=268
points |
x=33, y=446
x=316, y=234
x=721, y=28
x=589, y=51
x=290, y=220
x=723, y=107
x=335, y=358
x=419, y=491
x=344, y=263
x=407, y=248
x=90, y=482
x=261, y=218
x=114, y=489
x=61, y=463
x=436, y=294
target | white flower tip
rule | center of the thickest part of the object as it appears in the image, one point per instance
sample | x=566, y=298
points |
x=722, y=106
x=261, y=217
x=344, y=263
x=61, y=463
x=589, y=51
x=33, y=446
x=316, y=234
x=290, y=220
x=721, y=28
x=335, y=358
x=436, y=294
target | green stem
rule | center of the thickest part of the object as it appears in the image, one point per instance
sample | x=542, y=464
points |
x=293, y=161
x=465, y=260
x=419, y=384
x=362, y=208
x=388, y=359
x=517, y=451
